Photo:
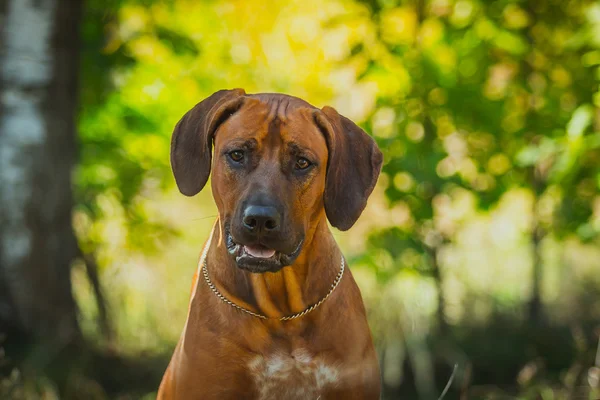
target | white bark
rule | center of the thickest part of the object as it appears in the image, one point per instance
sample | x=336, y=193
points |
x=25, y=71
x=38, y=75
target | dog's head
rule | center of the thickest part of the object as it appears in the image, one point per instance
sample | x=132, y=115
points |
x=280, y=165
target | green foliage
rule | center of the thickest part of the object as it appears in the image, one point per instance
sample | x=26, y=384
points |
x=475, y=105
x=492, y=96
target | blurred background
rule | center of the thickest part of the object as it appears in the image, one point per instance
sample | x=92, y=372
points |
x=478, y=255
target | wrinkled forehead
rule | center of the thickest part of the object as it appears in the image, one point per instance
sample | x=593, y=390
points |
x=273, y=124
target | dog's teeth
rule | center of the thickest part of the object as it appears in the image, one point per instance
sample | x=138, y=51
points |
x=259, y=252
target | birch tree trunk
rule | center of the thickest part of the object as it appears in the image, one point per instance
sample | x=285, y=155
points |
x=39, y=42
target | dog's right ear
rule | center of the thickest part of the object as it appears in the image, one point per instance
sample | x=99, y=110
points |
x=191, y=144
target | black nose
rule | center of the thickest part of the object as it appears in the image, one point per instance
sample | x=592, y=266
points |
x=261, y=219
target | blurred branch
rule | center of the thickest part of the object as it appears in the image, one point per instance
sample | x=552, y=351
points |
x=437, y=277
x=597, y=361
x=91, y=269
x=449, y=382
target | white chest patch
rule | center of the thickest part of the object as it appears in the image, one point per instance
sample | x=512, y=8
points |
x=295, y=376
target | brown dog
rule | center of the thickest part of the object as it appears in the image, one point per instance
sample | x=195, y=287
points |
x=274, y=314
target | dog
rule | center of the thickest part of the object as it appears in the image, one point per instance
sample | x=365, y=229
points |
x=274, y=313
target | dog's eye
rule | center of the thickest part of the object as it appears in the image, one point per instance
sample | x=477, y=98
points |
x=302, y=163
x=237, y=155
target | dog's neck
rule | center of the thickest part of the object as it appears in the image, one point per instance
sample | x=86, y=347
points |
x=277, y=294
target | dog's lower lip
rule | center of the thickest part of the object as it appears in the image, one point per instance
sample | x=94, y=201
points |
x=258, y=251
x=245, y=260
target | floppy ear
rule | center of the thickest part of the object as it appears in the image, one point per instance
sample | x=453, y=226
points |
x=352, y=169
x=191, y=143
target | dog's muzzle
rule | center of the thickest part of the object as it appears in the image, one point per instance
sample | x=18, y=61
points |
x=258, y=256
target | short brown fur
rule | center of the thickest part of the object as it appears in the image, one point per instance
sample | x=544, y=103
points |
x=219, y=344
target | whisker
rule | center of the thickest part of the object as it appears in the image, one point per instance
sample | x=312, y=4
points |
x=202, y=218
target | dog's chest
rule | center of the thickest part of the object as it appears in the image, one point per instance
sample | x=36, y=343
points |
x=292, y=376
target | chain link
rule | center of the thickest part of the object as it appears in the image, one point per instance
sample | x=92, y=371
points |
x=214, y=289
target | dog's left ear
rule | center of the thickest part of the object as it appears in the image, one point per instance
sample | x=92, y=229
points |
x=353, y=167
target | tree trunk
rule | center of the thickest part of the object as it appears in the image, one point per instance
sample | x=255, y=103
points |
x=537, y=178
x=433, y=253
x=535, y=301
x=538, y=185
x=38, y=95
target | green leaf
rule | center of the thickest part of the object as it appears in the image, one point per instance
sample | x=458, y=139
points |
x=581, y=119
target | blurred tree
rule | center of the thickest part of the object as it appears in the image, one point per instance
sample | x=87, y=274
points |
x=555, y=151
x=39, y=73
x=485, y=97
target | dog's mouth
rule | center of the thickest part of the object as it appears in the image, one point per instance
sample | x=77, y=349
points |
x=258, y=257
x=258, y=251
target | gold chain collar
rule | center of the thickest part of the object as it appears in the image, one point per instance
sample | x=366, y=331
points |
x=212, y=287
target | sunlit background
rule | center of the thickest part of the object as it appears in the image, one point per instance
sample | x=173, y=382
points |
x=478, y=255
